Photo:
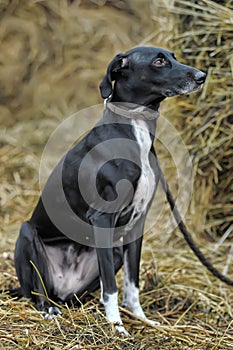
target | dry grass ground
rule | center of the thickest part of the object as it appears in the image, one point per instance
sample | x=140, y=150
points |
x=195, y=310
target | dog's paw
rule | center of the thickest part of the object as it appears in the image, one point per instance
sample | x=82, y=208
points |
x=52, y=312
x=119, y=329
x=152, y=323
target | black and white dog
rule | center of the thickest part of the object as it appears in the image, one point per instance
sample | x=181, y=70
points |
x=59, y=254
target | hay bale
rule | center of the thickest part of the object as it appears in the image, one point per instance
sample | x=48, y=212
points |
x=53, y=53
x=201, y=34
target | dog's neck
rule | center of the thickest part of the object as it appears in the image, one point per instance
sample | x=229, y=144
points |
x=131, y=110
x=123, y=94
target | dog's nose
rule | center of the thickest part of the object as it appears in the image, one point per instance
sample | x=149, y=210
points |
x=200, y=77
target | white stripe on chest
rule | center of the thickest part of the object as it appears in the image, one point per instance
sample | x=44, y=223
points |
x=146, y=183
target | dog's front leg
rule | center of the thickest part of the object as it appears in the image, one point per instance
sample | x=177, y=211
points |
x=109, y=292
x=132, y=252
x=132, y=255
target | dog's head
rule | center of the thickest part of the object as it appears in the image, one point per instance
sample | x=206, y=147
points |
x=147, y=75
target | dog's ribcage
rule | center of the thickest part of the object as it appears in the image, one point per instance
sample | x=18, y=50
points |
x=146, y=183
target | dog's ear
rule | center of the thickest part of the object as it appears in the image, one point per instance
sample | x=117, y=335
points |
x=119, y=61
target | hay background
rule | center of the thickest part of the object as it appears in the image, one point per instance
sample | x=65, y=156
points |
x=53, y=55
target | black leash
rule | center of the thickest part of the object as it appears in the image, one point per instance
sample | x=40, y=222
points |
x=187, y=234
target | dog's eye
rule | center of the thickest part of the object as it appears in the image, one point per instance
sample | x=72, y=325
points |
x=159, y=62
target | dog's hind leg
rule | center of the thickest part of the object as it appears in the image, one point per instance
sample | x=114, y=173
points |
x=31, y=264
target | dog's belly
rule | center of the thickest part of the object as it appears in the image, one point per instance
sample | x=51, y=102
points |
x=71, y=272
x=147, y=182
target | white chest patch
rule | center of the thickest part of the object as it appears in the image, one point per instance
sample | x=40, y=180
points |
x=146, y=183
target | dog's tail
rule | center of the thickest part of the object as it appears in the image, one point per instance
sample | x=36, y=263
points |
x=186, y=233
x=14, y=293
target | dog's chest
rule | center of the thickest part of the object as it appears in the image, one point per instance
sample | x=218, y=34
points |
x=146, y=183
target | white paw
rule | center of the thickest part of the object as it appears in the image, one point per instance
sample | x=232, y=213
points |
x=153, y=323
x=138, y=312
x=53, y=311
x=121, y=330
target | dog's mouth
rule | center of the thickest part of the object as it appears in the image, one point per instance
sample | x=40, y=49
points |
x=190, y=90
x=187, y=89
